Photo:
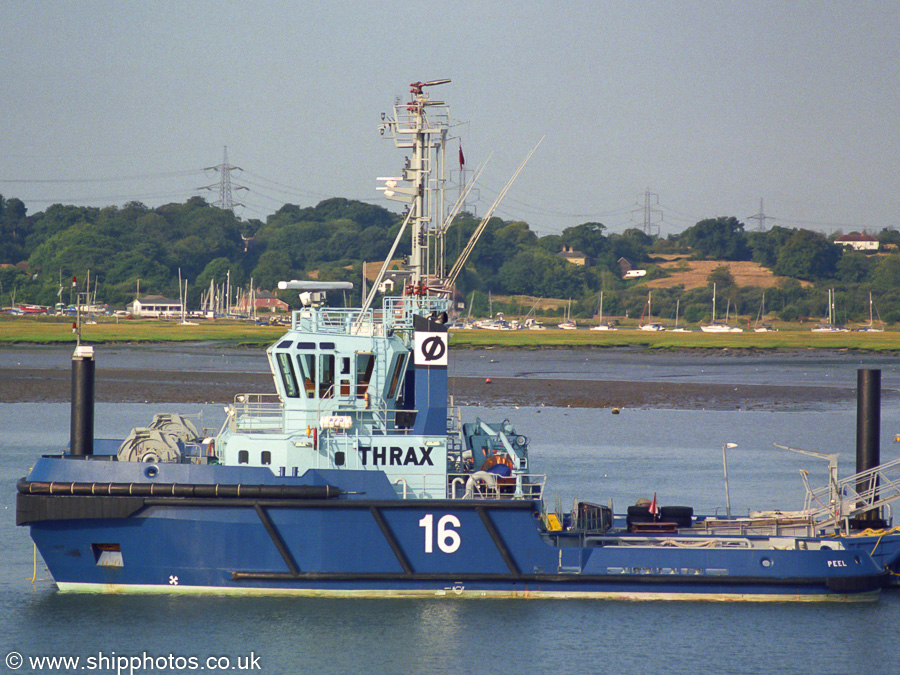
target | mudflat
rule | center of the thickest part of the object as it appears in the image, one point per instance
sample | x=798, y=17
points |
x=172, y=386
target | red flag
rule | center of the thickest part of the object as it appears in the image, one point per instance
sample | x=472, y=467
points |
x=462, y=159
x=654, y=509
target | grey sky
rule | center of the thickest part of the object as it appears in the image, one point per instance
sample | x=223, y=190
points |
x=710, y=105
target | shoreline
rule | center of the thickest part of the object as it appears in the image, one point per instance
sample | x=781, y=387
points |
x=120, y=385
x=22, y=332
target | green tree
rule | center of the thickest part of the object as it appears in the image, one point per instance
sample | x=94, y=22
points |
x=718, y=239
x=587, y=238
x=633, y=244
x=218, y=271
x=889, y=236
x=854, y=267
x=886, y=275
x=14, y=230
x=721, y=276
x=514, y=237
x=808, y=255
x=765, y=245
x=273, y=266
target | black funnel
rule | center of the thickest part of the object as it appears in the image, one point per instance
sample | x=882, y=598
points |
x=868, y=428
x=81, y=429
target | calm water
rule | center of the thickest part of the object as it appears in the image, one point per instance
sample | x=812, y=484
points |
x=588, y=453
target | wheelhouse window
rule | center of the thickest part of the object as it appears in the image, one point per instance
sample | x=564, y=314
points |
x=326, y=375
x=365, y=365
x=307, y=365
x=286, y=368
x=266, y=457
x=397, y=372
x=344, y=379
x=244, y=457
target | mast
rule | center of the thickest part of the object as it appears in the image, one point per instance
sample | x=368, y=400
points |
x=180, y=295
x=422, y=126
x=831, y=307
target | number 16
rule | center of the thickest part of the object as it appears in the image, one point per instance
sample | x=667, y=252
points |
x=448, y=539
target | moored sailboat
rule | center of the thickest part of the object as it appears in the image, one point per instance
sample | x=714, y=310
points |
x=830, y=326
x=601, y=324
x=649, y=324
x=568, y=323
x=719, y=326
x=761, y=326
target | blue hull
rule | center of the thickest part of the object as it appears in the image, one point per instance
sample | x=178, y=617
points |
x=384, y=546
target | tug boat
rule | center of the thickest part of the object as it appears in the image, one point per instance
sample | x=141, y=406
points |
x=358, y=477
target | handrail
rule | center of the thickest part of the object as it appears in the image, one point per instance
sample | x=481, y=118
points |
x=405, y=485
x=883, y=488
x=526, y=487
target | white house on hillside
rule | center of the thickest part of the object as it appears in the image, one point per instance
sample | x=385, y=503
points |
x=859, y=242
x=154, y=306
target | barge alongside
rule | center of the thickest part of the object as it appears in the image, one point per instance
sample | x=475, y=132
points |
x=359, y=478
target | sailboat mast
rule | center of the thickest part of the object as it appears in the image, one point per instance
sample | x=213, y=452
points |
x=871, y=323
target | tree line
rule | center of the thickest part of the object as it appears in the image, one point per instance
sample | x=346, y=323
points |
x=134, y=244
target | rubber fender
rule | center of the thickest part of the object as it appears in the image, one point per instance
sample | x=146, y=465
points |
x=680, y=515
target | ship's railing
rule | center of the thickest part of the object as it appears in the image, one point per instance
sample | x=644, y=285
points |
x=454, y=430
x=419, y=486
x=851, y=497
x=436, y=118
x=398, y=312
x=774, y=525
x=669, y=541
x=520, y=486
x=257, y=413
x=338, y=321
x=266, y=413
x=377, y=416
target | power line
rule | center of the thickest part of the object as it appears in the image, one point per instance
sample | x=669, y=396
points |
x=105, y=200
x=112, y=179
